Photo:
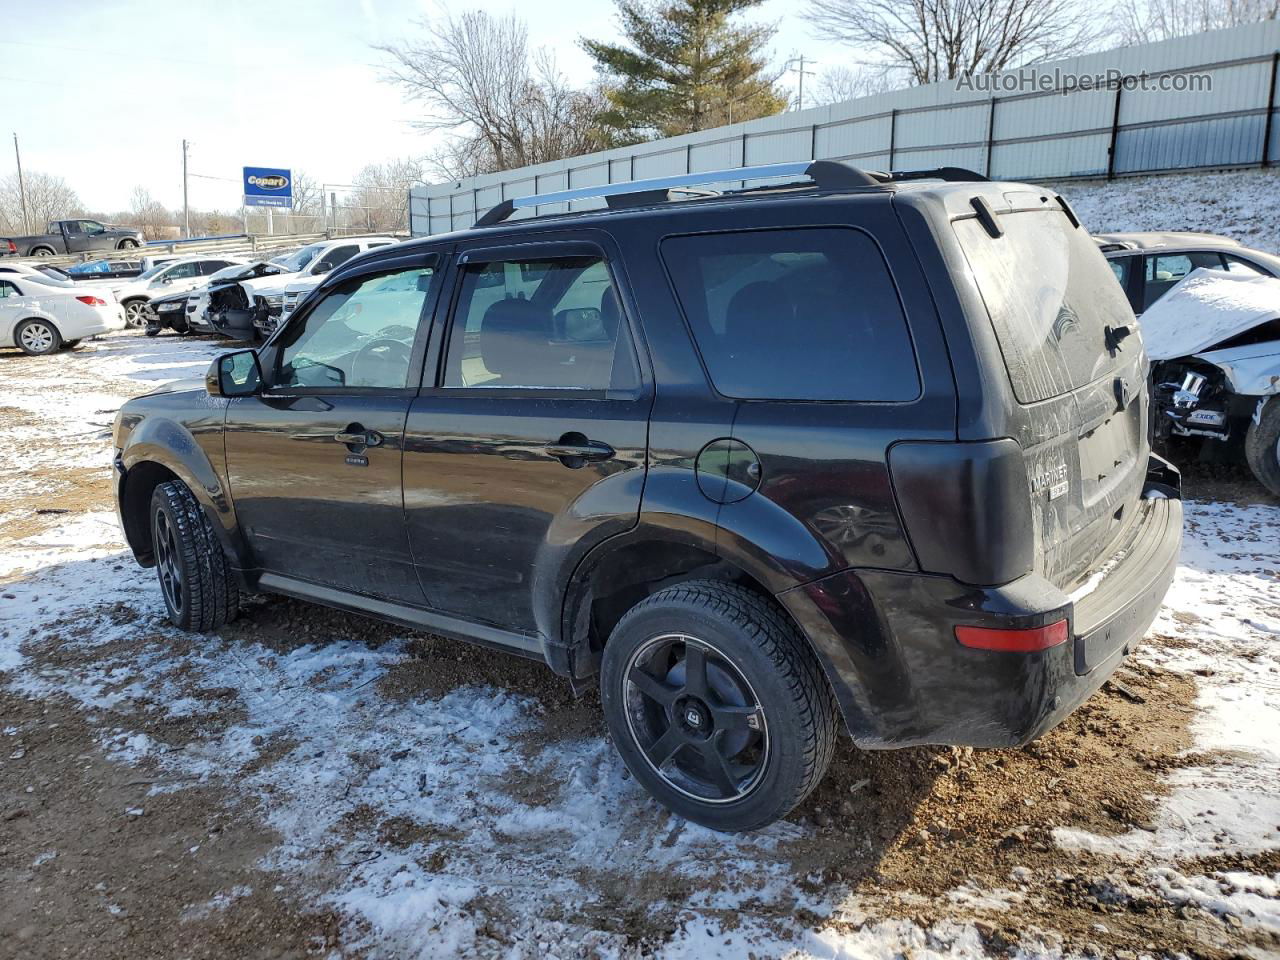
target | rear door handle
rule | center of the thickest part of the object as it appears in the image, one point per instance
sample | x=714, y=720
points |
x=581, y=450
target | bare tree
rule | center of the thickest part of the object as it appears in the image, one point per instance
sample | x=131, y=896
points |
x=48, y=198
x=930, y=40
x=1141, y=21
x=478, y=82
x=305, y=215
x=380, y=199
x=840, y=84
x=148, y=213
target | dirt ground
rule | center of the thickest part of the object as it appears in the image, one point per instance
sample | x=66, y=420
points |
x=111, y=850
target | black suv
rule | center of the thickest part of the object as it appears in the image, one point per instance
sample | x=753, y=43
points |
x=848, y=446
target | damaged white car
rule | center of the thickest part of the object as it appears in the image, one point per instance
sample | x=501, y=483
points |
x=1214, y=343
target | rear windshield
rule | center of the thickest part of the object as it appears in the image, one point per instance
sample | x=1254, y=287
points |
x=1050, y=295
x=808, y=314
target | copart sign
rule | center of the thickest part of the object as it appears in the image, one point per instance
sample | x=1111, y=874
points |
x=268, y=187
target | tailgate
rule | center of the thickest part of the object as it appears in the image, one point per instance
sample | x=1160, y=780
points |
x=1075, y=363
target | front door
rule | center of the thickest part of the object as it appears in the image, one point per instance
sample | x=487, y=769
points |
x=531, y=446
x=314, y=461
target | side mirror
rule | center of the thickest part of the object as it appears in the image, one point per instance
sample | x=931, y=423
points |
x=324, y=266
x=234, y=375
x=166, y=280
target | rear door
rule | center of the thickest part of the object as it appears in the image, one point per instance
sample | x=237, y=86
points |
x=530, y=445
x=1074, y=360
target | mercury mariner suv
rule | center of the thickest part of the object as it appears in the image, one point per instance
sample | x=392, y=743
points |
x=842, y=449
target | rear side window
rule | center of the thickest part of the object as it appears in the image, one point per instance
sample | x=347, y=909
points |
x=807, y=314
x=1050, y=295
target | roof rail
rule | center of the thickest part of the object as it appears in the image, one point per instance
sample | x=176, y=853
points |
x=957, y=174
x=826, y=175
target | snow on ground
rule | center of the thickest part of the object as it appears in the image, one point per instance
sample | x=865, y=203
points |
x=1243, y=205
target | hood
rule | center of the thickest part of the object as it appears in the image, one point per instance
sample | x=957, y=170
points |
x=246, y=271
x=1206, y=309
x=177, y=386
x=303, y=284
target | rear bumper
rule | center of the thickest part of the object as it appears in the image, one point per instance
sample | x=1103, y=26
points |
x=888, y=644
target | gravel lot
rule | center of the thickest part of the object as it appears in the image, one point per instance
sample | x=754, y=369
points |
x=309, y=783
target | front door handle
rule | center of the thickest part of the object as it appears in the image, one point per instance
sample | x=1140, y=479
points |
x=575, y=451
x=367, y=438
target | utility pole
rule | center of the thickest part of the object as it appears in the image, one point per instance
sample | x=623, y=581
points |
x=799, y=69
x=186, y=210
x=22, y=187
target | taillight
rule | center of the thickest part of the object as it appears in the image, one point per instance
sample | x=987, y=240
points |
x=1013, y=641
x=12, y=247
x=92, y=301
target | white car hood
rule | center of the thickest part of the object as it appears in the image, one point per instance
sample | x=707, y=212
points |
x=303, y=284
x=1252, y=370
x=1206, y=308
x=261, y=286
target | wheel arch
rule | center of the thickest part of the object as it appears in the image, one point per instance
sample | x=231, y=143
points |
x=625, y=569
x=159, y=450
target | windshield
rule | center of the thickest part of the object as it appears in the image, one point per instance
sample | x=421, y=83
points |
x=298, y=260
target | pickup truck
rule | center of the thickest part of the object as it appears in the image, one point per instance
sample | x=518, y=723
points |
x=71, y=236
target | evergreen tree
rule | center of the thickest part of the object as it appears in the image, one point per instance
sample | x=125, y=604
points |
x=685, y=66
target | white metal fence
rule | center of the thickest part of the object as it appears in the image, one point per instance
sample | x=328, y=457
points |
x=1005, y=130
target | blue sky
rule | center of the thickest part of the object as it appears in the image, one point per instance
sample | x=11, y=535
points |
x=103, y=93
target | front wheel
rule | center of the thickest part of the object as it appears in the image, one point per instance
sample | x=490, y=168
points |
x=717, y=705
x=199, y=589
x=1262, y=446
x=37, y=337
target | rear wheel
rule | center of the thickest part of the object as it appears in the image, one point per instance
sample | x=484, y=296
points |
x=42, y=252
x=199, y=590
x=136, y=313
x=716, y=705
x=37, y=337
x=1262, y=446
x=127, y=244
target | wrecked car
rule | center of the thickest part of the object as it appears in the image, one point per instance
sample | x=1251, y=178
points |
x=234, y=296
x=1214, y=343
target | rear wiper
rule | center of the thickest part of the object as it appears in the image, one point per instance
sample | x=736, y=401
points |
x=1114, y=335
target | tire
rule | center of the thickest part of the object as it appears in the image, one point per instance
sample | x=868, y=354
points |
x=135, y=312
x=737, y=744
x=199, y=590
x=37, y=337
x=127, y=245
x=1262, y=446
x=152, y=330
x=42, y=252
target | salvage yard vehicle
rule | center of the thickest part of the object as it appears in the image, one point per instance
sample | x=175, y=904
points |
x=1149, y=265
x=1215, y=346
x=168, y=313
x=72, y=236
x=41, y=315
x=926, y=511
x=173, y=276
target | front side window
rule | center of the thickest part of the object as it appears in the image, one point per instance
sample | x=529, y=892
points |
x=92, y=227
x=805, y=314
x=183, y=271
x=539, y=324
x=361, y=334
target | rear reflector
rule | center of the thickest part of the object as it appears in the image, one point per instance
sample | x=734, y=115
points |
x=1013, y=641
x=93, y=301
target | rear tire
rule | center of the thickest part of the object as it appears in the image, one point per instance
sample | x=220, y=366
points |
x=717, y=706
x=199, y=589
x=1262, y=446
x=135, y=313
x=127, y=245
x=42, y=252
x=39, y=338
